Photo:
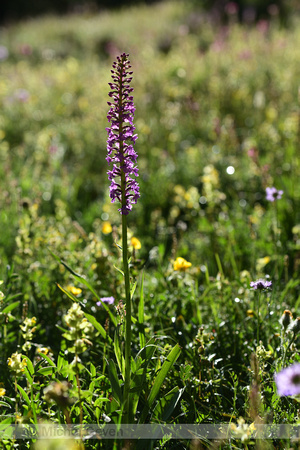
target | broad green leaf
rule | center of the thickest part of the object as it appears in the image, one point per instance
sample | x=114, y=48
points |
x=23, y=394
x=28, y=376
x=49, y=360
x=29, y=365
x=61, y=361
x=7, y=420
x=167, y=404
x=100, y=400
x=138, y=378
x=93, y=370
x=10, y=307
x=168, y=363
x=46, y=370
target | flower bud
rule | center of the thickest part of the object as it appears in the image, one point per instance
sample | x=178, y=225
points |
x=286, y=319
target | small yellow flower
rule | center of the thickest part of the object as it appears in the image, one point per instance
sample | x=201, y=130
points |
x=43, y=350
x=250, y=313
x=75, y=291
x=106, y=228
x=262, y=262
x=2, y=392
x=181, y=264
x=136, y=244
x=16, y=364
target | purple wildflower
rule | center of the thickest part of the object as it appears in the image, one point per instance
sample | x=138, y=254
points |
x=108, y=300
x=288, y=380
x=120, y=152
x=261, y=284
x=273, y=194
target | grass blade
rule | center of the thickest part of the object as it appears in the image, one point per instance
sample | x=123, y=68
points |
x=98, y=327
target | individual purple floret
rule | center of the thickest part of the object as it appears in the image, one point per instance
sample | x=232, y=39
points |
x=288, y=380
x=121, y=155
x=108, y=300
x=273, y=194
x=260, y=284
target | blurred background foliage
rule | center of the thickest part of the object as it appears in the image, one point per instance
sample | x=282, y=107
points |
x=217, y=115
x=248, y=11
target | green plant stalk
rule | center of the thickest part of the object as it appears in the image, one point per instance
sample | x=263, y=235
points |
x=286, y=348
x=258, y=321
x=128, y=318
x=80, y=403
x=16, y=393
x=33, y=403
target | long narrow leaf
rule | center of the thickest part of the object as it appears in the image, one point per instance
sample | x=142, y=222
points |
x=173, y=355
x=28, y=376
x=170, y=402
x=49, y=360
x=23, y=394
x=69, y=294
x=141, y=317
x=29, y=365
x=61, y=362
x=115, y=384
x=138, y=379
x=46, y=370
x=132, y=290
x=98, y=327
x=10, y=307
x=118, y=353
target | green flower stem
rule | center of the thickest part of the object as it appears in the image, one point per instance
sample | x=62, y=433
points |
x=258, y=322
x=287, y=347
x=128, y=320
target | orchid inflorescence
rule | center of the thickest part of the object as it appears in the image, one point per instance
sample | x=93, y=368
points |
x=121, y=137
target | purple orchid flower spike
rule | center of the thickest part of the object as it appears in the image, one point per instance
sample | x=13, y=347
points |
x=121, y=155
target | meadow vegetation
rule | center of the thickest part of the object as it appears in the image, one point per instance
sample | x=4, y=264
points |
x=218, y=122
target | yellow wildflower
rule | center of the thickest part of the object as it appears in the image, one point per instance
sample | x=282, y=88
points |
x=181, y=264
x=2, y=392
x=75, y=291
x=136, y=244
x=16, y=364
x=43, y=350
x=242, y=430
x=262, y=262
x=106, y=228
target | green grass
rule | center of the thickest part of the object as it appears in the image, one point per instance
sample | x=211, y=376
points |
x=218, y=120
